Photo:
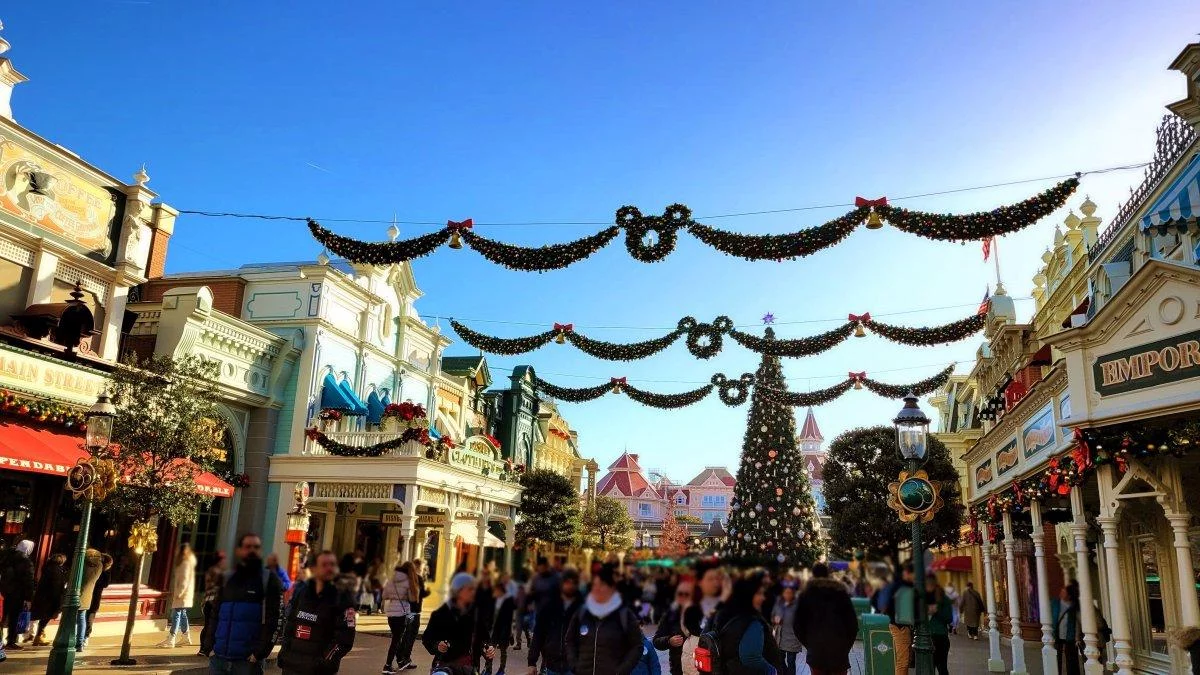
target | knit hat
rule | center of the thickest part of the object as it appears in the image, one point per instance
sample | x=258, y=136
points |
x=25, y=547
x=459, y=582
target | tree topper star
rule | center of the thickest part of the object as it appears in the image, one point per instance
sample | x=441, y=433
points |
x=768, y=318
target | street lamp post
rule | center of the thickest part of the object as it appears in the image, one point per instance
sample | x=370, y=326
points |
x=912, y=432
x=89, y=480
x=297, y=529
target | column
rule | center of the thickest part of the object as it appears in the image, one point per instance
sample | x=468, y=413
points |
x=408, y=532
x=1014, y=606
x=1189, y=605
x=1049, y=654
x=114, y=315
x=995, y=663
x=45, y=264
x=1118, y=616
x=510, y=542
x=1083, y=575
x=483, y=528
x=446, y=548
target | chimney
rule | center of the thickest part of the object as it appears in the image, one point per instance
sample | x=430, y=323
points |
x=9, y=78
x=1188, y=63
x=162, y=227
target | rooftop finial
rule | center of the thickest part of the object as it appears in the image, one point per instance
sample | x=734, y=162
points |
x=392, y=230
x=141, y=177
x=3, y=43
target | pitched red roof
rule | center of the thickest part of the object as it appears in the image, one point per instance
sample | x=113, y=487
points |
x=625, y=479
x=810, y=432
x=816, y=468
x=720, y=473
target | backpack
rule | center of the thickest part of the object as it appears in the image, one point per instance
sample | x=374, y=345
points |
x=707, y=657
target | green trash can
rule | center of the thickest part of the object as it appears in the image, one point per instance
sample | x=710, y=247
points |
x=879, y=654
x=861, y=606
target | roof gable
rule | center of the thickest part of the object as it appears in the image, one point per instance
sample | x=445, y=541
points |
x=810, y=431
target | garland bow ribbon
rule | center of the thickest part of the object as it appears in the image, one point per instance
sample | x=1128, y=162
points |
x=857, y=378
x=617, y=383
x=1081, y=455
x=860, y=202
x=561, y=330
x=457, y=227
x=855, y=318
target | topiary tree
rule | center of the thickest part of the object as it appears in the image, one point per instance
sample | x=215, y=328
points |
x=549, y=510
x=773, y=520
x=858, y=469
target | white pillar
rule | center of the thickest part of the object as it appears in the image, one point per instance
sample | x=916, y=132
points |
x=446, y=549
x=995, y=663
x=1118, y=617
x=114, y=316
x=1189, y=605
x=483, y=528
x=1049, y=654
x=408, y=532
x=1014, y=606
x=1083, y=574
x=510, y=542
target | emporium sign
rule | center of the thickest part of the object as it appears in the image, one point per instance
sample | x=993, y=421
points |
x=40, y=376
x=1162, y=362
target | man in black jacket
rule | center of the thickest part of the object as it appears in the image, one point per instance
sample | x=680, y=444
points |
x=550, y=626
x=826, y=623
x=245, y=613
x=454, y=636
x=604, y=638
x=670, y=635
x=319, y=627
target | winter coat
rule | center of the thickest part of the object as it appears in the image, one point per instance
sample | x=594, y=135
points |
x=502, y=622
x=460, y=629
x=93, y=567
x=183, y=583
x=695, y=623
x=285, y=581
x=214, y=576
x=396, y=592
x=971, y=605
x=648, y=664
x=611, y=645
x=826, y=624
x=102, y=583
x=544, y=588
x=943, y=615
x=16, y=577
x=1188, y=639
x=47, y=599
x=422, y=593
x=670, y=626
x=747, y=646
x=784, y=616
x=247, y=614
x=549, y=633
x=317, y=631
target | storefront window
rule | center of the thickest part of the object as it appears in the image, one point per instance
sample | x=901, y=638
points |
x=1154, y=612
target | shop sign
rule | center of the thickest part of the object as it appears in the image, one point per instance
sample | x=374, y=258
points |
x=58, y=200
x=1163, y=362
x=1006, y=458
x=391, y=518
x=431, y=520
x=1038, y=435
x=41, y=376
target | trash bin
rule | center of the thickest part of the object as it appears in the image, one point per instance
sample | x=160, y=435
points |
x=879, y=654
x=861, y=606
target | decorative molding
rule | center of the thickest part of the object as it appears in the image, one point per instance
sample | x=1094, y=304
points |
x=90, y=282
x=1046, y=389
x=380, y=491
x=14, y=252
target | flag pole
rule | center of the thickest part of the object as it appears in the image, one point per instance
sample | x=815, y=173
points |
x=996, y=260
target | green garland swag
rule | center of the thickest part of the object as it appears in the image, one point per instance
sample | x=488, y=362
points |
x=951, y=332
x=342, y=450
x=653, y=238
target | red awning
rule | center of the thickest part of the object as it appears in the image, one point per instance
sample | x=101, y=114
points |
x=43, y=451
x=955, y=563
x=39, y=450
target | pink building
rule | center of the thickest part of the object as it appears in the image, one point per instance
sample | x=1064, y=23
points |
x=707, y=496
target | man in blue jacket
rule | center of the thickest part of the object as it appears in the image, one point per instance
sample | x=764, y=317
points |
x=246, y=612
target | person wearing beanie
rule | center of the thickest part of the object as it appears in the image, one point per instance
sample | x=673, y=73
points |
x=825, y=622
x=451, y=636
x=604, y=638
x=550, y=627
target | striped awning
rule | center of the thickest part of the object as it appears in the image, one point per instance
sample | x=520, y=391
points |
x=1180, y=201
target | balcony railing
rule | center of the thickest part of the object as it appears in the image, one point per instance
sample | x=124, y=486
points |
x=474, y=456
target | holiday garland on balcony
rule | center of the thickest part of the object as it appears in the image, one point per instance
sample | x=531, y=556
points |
x=705, y=340
x=42, y=410
x=419, y=435
x=651, y=238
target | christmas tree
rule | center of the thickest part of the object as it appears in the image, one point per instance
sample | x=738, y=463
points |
x=773, y=519
x=673, y=543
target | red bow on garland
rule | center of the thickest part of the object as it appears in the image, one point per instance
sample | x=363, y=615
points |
x=1018, y=494
x=458, y=226
x=617, y=383
x=564, y=328
x=854, y=318
x=857, y=377
x=860, y=202
x=1081, y=454
x=991, y=507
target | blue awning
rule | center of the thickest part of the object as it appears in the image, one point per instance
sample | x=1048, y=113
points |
x=1179, y=202
x=374, y=408
x=360, y=408
x=385, y=399
x=433, y=433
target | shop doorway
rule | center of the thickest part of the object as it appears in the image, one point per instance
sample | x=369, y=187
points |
x=369, y=538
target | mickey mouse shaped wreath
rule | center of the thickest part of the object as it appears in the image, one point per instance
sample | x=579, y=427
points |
x=733, y=392
x=652, y=238
x=704, y=339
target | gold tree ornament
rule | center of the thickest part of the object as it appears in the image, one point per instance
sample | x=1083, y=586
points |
x=915, y=497
x=143, y=538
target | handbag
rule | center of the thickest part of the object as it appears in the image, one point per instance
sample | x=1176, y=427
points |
x=23, y=621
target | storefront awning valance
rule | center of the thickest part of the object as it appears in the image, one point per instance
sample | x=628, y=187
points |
x=335, y=396
x=955, y=563
x=39, y=450
x=1179, y=202
x=375, y=407
x=469, y=533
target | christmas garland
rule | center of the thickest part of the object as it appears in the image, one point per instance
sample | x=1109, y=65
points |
x=569, y=394
x=652, y=238
x=42, y=410
x=667, y=401
x=984, y=224
x=926, y=386
x=705, y=340
x=780, y=246
x=420, y=435
x=804, y=399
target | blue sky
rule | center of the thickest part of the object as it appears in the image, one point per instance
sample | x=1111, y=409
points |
x=545, y=111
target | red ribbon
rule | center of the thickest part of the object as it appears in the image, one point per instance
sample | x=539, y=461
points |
x=1018, y=494
x=857, y=377
x=854, y=318
x=618, y=380
x=564, y=328
x=991, y=507
x=860, y=202
x=458, y=226
x=1081, y=454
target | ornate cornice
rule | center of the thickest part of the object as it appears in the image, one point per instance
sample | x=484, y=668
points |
x=1054, y=383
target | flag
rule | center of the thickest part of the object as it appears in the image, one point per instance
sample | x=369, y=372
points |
x=987, y=248
x=986, y=305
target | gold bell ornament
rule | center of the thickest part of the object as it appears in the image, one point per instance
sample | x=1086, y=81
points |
x=874, y=222
x=562, y=329
x=858, y=379
x=859, y=330
x=618, y=383
x=456, y=228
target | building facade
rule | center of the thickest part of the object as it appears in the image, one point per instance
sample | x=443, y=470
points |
x=1091, y=412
